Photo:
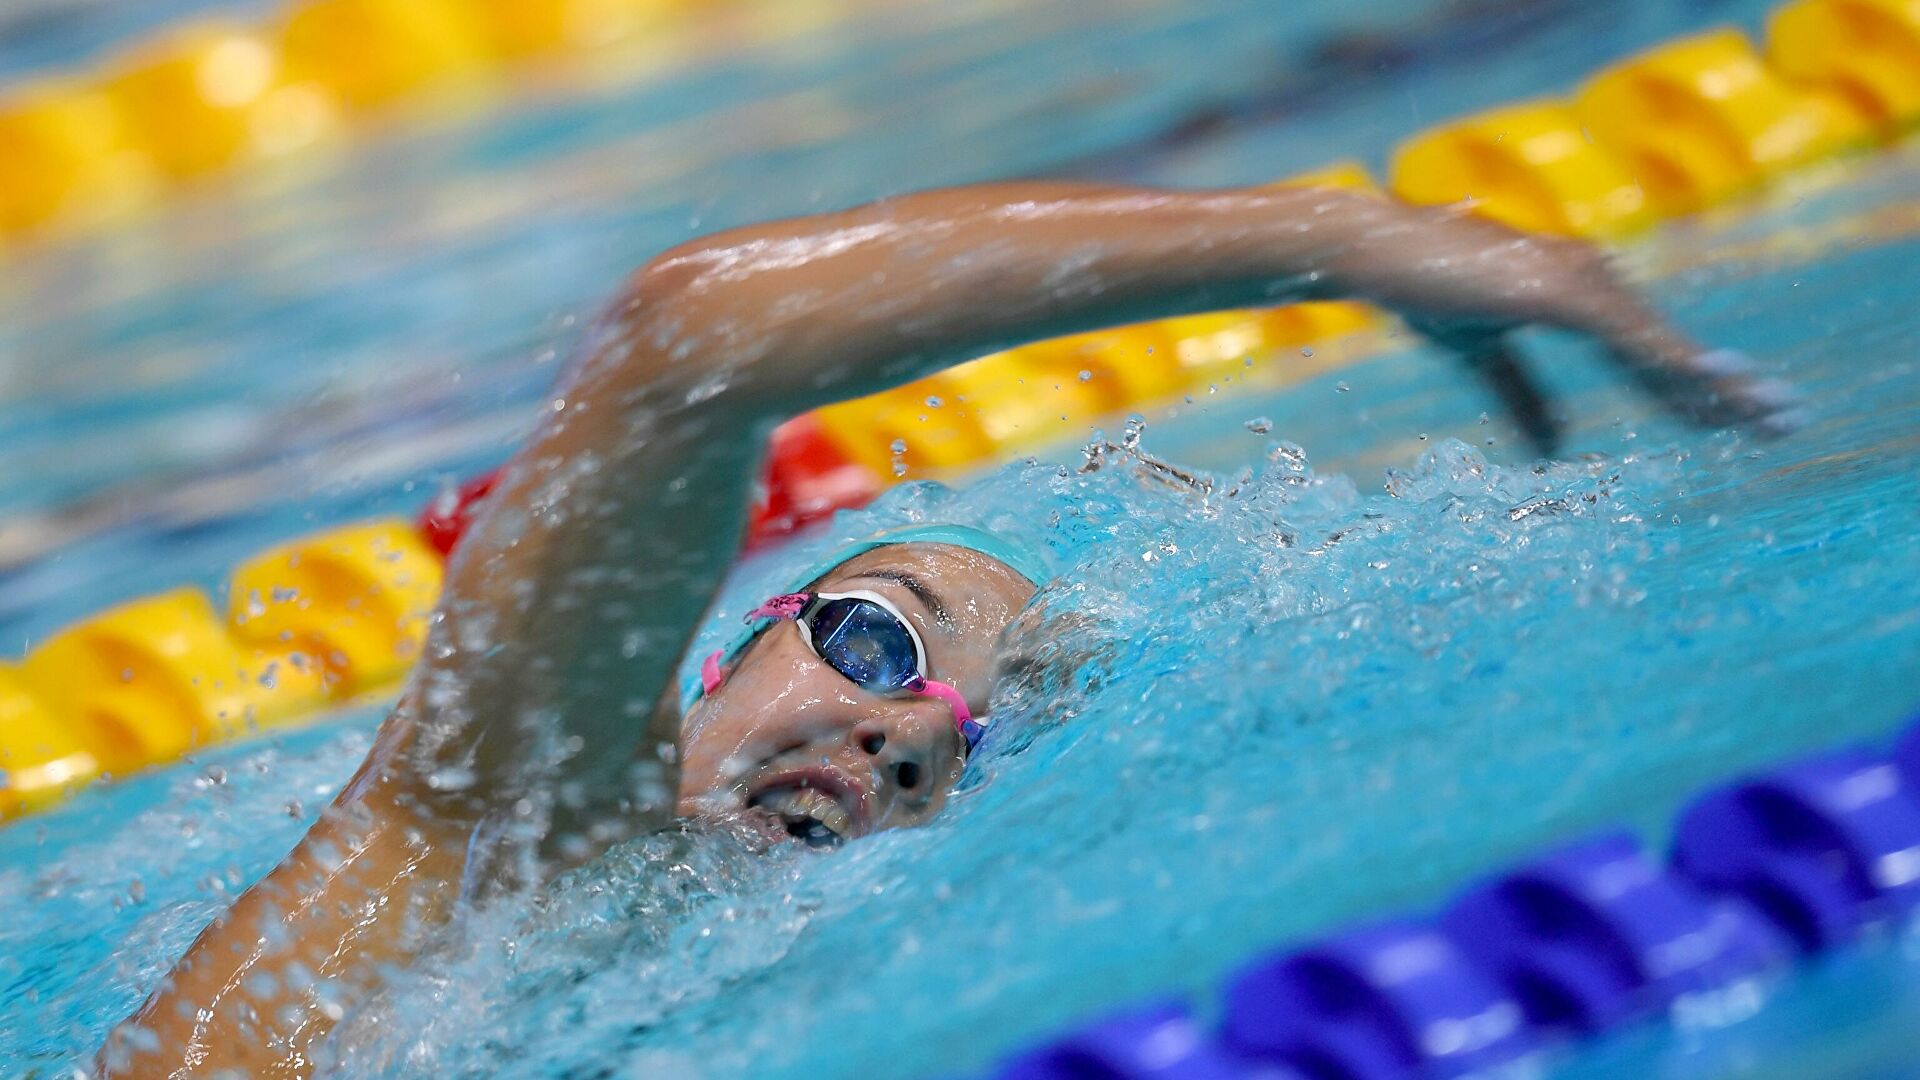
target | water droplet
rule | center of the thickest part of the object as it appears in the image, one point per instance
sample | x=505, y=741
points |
x=1341, y=388
x=933, y=402
x=1086, y=376
x=1306, y=352
x=451, y=778
x=1259, y=425
x=898, y=446
x=899, y=468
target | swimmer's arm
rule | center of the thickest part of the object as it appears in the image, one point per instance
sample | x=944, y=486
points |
x=813, y=310
x=265, y=982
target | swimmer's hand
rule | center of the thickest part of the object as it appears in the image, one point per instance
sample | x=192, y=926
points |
x=1567, y=283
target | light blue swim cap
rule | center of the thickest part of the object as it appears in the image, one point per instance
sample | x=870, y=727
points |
x=1017, y=557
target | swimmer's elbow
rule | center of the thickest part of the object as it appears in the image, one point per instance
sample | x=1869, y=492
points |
x=692, y=311
x=657, y=292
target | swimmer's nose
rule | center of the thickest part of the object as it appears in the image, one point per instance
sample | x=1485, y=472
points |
x=906, y=748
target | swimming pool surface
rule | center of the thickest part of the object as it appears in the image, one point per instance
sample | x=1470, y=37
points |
x=1397, y=658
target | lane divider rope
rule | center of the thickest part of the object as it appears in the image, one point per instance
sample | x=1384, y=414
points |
x=1585, y=939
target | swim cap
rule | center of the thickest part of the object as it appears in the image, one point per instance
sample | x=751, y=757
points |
x=1016, y=556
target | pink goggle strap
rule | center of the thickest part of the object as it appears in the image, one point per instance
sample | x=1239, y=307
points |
x=932, y=688
x=785, y=606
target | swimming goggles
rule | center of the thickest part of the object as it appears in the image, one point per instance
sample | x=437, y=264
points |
x=865, y=638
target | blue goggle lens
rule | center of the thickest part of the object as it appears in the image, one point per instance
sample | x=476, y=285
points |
x=864, y=642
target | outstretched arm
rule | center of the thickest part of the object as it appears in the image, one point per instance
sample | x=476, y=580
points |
x=532, y=717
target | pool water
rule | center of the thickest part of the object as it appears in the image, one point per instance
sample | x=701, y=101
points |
x=1373, y=660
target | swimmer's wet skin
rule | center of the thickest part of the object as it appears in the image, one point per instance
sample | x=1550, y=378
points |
x=544, y=721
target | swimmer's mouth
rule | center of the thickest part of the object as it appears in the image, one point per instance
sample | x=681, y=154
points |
x=818, y=807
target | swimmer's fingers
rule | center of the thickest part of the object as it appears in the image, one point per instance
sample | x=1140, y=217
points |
x=1479, y=279
x=1486, y=351
x=1717, y=387
x=1510, y=380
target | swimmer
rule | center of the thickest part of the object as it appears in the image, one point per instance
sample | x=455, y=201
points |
x=545, y=719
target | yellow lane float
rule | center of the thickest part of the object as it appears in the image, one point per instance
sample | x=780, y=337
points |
x=356, y=600
x=1866, y=51
x=372, y=52
x=152, y=679
x=1343, y=175
x=1531, y=166
x=41, y=758
x=1701, y=119
x=67, y=159
x=520, y=29
x=205, y=97
x=906, y=429
x=1126, y=366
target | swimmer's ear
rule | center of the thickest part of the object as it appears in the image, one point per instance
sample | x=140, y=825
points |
x=1487, y=351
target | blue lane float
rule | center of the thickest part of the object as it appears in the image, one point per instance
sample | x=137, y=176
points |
x=1598, y=933
x=1583, y=939
x=1826, y=847
x=1385, y=1002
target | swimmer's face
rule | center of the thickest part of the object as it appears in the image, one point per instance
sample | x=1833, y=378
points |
x=798, y=750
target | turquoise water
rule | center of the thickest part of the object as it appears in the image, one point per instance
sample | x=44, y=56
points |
x=1335, y=685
